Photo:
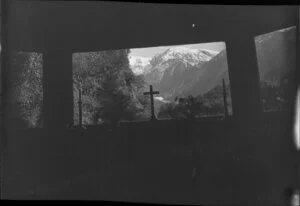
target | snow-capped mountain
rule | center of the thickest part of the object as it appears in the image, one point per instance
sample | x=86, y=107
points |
x=186, y=55
x=173, y=68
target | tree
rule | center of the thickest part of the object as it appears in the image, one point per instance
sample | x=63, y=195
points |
x=27, y=87
x=170, y=110
x=188, y=108
x=191, y=106
x=213, y=100
x=114, y=92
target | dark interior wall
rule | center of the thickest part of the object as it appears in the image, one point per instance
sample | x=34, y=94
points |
x=93, y=26
x=57, y=89
x=233, y=164
x=244, y=79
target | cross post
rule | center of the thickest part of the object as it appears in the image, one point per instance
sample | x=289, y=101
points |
x=225, y=100
x=80, y=107
x=151, y=93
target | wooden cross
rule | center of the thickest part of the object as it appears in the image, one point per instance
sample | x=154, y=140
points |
x=151, y=93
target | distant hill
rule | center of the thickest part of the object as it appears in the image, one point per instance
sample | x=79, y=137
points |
x=276, y=54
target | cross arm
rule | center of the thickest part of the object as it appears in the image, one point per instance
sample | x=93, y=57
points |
x=146, y=93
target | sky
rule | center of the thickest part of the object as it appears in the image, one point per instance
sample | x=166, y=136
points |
x=151, y=51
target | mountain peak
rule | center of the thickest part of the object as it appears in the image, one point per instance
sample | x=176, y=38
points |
x=190, y=50
x=186, y=55
x=183, y=49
